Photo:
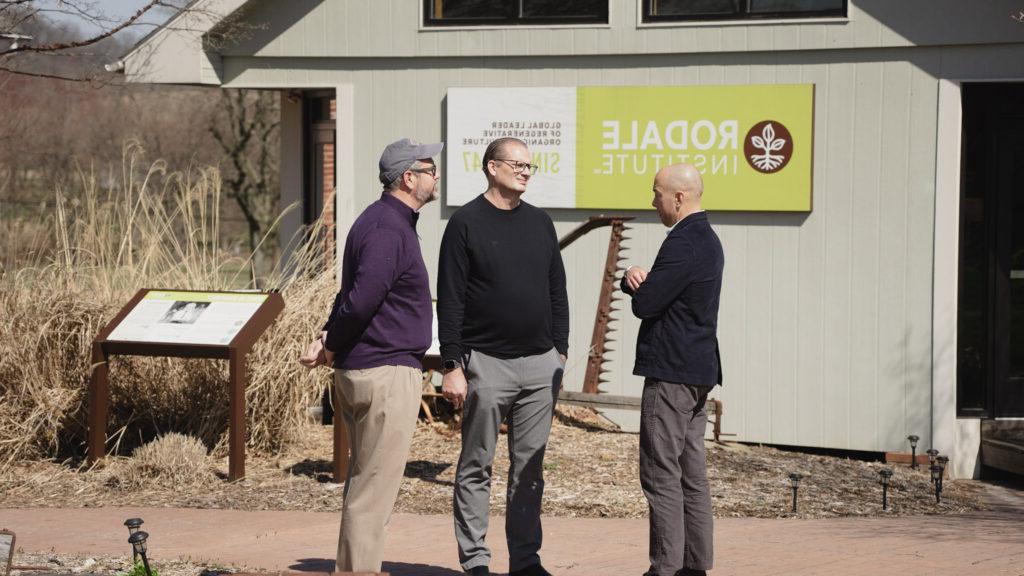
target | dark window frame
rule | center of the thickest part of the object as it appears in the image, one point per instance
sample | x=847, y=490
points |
x=512, y=21
x=742, y=15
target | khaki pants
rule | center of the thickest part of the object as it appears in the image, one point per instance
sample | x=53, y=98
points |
x=379, y=407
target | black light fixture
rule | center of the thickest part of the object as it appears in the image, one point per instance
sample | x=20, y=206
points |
x=941, y=461
x=794, y=480
x=932, y=453
x=138, y=542
x=936, y=480
x=885, y=474
x=913, y=450
x=133, y=527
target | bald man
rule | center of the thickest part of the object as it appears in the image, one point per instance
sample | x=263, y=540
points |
x=677, y=354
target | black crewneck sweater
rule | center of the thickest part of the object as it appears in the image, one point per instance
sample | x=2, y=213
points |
x=501, y=283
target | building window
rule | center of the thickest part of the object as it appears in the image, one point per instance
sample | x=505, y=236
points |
x=513, y=13
x=674, y=10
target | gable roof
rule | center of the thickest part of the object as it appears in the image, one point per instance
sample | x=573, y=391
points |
x=176, y=52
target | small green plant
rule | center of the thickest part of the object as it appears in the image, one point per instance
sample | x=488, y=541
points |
x=139, y=570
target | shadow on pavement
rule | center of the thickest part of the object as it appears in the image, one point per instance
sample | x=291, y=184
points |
x=392, y=568
x=406, y=569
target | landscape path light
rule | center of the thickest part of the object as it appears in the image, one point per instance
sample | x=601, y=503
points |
x=932, y=453
x=936, y=477
x=885, y=474
x=138, y=542
x=794, y=480
x=133, y=527
x=941, y=461
x=913, y=450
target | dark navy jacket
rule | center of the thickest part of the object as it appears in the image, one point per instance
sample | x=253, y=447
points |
x=678, y=306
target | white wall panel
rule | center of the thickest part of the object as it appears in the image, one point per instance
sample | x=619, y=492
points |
x=864, y=252
x=920, y=230
x=891, y=345
x=836, y=202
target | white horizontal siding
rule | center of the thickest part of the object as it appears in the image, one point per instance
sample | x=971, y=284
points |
x=391, y=28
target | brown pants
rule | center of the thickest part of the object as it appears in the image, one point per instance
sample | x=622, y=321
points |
x=673, y=474
x=379, y=408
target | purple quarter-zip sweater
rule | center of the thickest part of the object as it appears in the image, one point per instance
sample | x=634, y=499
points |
x=382, y=315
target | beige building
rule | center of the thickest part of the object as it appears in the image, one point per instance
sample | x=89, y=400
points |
x=895, y=306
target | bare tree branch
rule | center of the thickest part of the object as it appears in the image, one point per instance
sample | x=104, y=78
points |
x=42, y=75
x=88, y=41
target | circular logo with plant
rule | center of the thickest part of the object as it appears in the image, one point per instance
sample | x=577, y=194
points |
x=768, y=147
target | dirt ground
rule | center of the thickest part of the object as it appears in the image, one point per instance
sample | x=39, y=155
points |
x=591, y=470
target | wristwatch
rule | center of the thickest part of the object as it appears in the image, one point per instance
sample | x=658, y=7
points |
x=450, y=365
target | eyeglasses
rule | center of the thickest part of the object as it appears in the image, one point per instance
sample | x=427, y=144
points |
x=519, y=167
x=432, y=170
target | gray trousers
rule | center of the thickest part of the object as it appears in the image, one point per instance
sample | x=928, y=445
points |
x=673, y=474
x=523, y=391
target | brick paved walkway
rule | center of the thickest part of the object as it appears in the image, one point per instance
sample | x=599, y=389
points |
x=987, y=543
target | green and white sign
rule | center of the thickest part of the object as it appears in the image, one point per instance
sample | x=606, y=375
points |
x=600, y=147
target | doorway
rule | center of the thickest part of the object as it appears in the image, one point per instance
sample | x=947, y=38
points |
x=320, y=178
x=990, y=319
x=321, y=131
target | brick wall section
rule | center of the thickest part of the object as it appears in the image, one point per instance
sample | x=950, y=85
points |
x=328, y=200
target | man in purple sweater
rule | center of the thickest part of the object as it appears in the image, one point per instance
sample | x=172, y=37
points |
x=375, y=338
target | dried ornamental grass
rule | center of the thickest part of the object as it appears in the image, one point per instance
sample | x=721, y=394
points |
x=153, y=228
x=171, y=460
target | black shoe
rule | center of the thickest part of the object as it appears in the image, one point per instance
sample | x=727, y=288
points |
x=478, y=571
x=532, y=570
x=691, y=572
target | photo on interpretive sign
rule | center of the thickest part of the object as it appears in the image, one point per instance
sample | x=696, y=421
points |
x=6, y=550
x=184, y=312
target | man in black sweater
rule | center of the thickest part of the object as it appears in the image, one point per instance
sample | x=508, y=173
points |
x=503, y=322
x=677, y=353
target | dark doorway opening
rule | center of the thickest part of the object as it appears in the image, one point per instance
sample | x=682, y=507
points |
x=990, y=331
x=319, y=124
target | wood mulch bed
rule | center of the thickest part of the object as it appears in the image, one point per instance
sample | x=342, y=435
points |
x=591, y=470
x=36, y=563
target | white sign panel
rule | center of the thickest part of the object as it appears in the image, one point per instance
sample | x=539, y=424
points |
x=544, y=118
x=169, y=317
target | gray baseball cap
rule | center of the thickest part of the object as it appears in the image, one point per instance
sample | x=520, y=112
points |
x=399, y=156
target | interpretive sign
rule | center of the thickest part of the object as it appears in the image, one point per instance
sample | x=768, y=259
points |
x=599, y=147
x=185, y=324
x=188, y=317
x=6, y=551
